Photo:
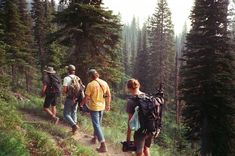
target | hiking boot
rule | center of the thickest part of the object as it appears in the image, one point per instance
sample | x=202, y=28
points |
x=93, y=140
x=74, y=128
x=102, y=148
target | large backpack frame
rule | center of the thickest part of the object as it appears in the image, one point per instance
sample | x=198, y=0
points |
x=76, y=89
x=149, y=113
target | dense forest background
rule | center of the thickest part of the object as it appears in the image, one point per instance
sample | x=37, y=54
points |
x=196, y=66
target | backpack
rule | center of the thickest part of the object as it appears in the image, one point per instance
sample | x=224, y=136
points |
x=150, y=110
x=76, y=88
x=55, y=85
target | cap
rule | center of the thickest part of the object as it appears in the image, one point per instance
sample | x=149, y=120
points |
x=71, y=67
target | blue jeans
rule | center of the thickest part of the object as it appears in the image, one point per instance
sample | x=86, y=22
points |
x=70, y=111
x=96, y=117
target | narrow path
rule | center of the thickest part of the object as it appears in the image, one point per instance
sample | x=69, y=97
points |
x=80, y=136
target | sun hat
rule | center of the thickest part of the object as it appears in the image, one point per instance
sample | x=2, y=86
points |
x=50, y=70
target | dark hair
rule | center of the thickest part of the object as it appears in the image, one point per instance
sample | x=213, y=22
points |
x=71, y=71
x=133, y=84
x=93, y=73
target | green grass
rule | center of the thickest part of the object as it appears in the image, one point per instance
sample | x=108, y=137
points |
x=115, y=125
x=33, y=138
x=43, y=143
x=12, y=140
x=78, y=149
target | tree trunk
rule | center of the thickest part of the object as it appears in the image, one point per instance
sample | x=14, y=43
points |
x=28, y=79
x=14, y=77
x=42, y=56
x=205, y=142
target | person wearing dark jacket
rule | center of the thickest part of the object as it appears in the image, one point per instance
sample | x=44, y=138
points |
x=51, y=92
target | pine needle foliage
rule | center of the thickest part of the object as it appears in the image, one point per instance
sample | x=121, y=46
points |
x=93, y=35
x=208, y=79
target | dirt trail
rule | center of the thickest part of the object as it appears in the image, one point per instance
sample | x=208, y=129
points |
x=80, y=136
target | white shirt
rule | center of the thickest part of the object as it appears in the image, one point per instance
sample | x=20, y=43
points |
x=68, y=80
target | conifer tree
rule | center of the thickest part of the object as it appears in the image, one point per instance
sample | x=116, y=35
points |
x=125, y=53
x=39, y=27
x=2, y=43
x=130, y=36
x=27, y=51
x=208, y=79
x=134, y=30
x=162, y=51
x=94, y=36
x=54, y=51
x=13, y=38
x=2, y=49
x=141, y=62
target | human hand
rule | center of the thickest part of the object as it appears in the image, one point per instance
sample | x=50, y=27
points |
x=158, y=132
x=42, y=94
x=107, y=108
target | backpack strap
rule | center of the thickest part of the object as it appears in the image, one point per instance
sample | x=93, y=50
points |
x=71, y=77
x=100, y=86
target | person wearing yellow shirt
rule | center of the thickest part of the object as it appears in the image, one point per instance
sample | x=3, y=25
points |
x=97, y=99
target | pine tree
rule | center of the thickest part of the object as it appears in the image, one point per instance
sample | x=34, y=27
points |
x=94, y=36
x=208, y=79
x=54, y=52
x=130, y=36
x=38, y=15
x=14, y=39
x=2, y=49
x=2, y=43
x=162, y=51
x=27, y=51
x=125, y=53
x=141, y=62
x=180, y=46
x=134, y=30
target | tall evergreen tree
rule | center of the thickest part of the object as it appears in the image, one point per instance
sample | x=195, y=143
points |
x=2, y=49
x=14, y=39
x=125, y=53
x=54, y=51
x=94, y=36
x=130, y=45
x=38, y=15
x=27, y=50
x=134, y=30
x=208, y=79
x=2, y=43
x=141, y=62
x=180, y=46
x=162, y=51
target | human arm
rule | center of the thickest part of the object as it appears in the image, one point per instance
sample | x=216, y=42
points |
x=45, y=83
x=65, y=85
x=128, y=137
x=87, y=97
x=65, y=89
x=85, y=100
x=107, y=99
x=130, y=109
x=44, y=87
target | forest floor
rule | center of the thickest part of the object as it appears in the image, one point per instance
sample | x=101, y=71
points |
x=81, y=137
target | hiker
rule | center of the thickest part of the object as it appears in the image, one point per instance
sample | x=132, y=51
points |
x=72, y=87
x=142, y=140
x=51, y=90
x=97, y=99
